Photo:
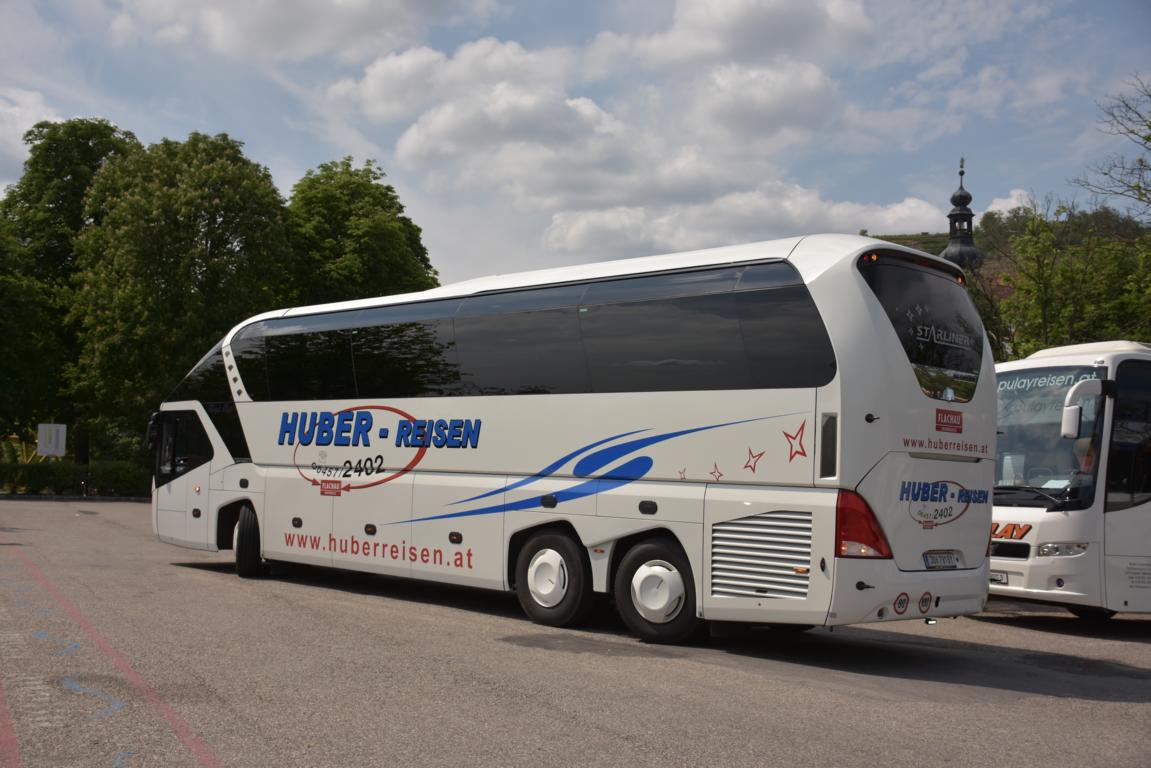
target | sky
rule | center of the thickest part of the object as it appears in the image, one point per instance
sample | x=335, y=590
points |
x=527, y=134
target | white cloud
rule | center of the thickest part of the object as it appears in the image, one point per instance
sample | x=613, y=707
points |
x=774, y=209
x=1016, y=198
x=292, y=29
x=400, y=86
x=765, y=108
x=931, y=30
x=19, y=111
x=744, y=31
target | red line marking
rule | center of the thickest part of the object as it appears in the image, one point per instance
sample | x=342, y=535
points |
x=9, y=747
x=202, y=752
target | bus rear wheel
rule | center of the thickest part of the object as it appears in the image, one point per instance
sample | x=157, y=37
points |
x=655, y=592
x=553, y=580
x=246, y=544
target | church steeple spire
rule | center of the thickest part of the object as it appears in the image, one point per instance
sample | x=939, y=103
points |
x=961, y=247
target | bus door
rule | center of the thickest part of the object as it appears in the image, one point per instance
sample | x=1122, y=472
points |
x=183, y=454
x=1127, y=515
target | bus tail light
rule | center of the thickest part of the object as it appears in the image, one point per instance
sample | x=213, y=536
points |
x=857, y=531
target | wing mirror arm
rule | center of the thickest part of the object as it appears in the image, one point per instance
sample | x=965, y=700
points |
x=1073, y=412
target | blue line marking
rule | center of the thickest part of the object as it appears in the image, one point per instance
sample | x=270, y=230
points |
x=114, y=704
x=121, y=759
x=70, y=646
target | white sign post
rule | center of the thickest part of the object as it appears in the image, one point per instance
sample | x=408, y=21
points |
x=50, y=439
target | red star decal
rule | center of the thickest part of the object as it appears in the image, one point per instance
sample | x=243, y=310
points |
x=716, y=473
x=753, y=459
x=794, y=440
x=683, y=474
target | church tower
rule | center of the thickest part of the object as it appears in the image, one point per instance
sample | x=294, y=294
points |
x=961, y=248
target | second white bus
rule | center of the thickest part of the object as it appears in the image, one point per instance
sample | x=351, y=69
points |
x=1072, y=515
x=791, y=432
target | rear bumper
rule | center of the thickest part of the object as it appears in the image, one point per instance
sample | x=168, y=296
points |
x=876, y=590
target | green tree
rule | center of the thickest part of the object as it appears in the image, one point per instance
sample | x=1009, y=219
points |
x=1078, y=277
x=32, y=357
x=351, y=238
x=184, y=240
x=46, y=206
x=42, y=214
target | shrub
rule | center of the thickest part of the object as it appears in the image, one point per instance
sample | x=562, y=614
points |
x=66, y=478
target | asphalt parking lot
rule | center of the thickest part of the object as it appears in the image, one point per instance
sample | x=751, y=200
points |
x=117, y=650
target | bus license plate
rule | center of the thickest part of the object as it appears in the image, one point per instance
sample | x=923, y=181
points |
x=940, y=559
x=998, y=577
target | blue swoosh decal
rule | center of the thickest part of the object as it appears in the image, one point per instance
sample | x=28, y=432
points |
x=628, y=472
x=550, y=469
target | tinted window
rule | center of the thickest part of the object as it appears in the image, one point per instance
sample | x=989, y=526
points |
x=307, y=364
x=405, y=359
x=183, y=446
x=522, y=301
x=1129, y=465
x=662, y=286
x=677, y=344
x=248, y=352
x=724, y=328
x=775, y=274
x=526, y=353
x=208, y=383
x=785, y=339
x=935, y=321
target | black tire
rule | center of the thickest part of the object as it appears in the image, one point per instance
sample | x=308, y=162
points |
x=249, y=564
x=678, y=622
x=1089, y=613
x=568, y=563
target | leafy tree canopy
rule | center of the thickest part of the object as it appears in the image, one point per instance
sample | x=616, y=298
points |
x=184, y=240
x=351, y=237
x=46, y=206
x=32, y=356
x=1075, y=277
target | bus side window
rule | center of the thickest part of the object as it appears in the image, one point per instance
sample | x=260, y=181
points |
x=1129, y=466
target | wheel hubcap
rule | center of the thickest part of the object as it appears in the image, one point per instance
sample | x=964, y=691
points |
x=548, y=578
x=657, y=591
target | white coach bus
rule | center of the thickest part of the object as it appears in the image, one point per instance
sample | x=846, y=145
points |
x=791, y=432
x=1072, y=514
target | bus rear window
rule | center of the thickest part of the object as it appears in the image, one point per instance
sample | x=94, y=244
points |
x=935, y=321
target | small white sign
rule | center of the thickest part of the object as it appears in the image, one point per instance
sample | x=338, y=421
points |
x=50, y=439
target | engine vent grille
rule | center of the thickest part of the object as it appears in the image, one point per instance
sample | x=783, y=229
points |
x=766, y=555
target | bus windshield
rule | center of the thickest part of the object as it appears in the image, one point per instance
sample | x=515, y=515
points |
x=1034, y=463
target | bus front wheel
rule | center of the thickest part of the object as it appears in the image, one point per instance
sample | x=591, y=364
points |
x=246, y=544
x=553, y=580
x=655, y=592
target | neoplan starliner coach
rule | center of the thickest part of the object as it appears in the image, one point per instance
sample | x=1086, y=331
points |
x=791, y=432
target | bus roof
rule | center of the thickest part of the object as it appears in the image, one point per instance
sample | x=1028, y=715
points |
x=1095, y=348
x=1095, y=353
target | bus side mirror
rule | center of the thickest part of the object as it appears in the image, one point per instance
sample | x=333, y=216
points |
x=152, y=436
x=1072, y=411
x=1072, y=414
